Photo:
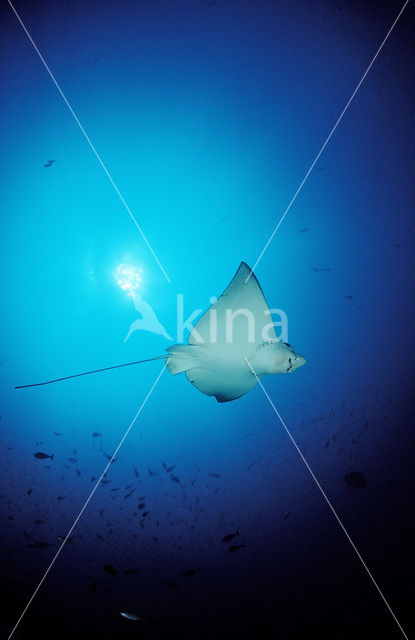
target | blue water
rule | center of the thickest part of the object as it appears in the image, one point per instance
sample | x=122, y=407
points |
x=207, y=116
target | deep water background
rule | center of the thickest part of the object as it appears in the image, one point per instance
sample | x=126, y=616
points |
x=207, y=115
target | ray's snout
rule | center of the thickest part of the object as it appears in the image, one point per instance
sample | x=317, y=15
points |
x=299, y=361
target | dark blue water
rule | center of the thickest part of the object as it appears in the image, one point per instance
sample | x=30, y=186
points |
x=207, y=116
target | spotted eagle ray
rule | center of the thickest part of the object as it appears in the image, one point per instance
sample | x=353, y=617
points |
x=231, y=346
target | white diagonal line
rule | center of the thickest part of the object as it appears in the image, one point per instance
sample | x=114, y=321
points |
x=87, y=501
x=90, y=143
x=326, y=141
x=327, y=500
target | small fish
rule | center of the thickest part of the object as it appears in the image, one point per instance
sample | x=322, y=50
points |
x=131, y=616
x=286, y=514
x=60, y=498
x=93, y=585
x=145, y=513
x=191, y=572
x=230, y=536
x=349, y=297
x=325, y=268
x=315, y=269
x=108, y=568
x=141, y=505
x=304, y=230
x=62, y=538
x=42, y=456
x=327, y=444
x=49, y=163
x=72, y=460
x=137, y=475
x=131, y=572
x=214, y=475
x=55, y=433
x=356, y=479
x=235, y=547
x=78, y=472
x=29, y=491
x=174, y=478
x=41, y=545
x=128, y=495
x=96, y=434
x=170, y=583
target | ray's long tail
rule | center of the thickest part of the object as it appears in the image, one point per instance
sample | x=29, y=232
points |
x=87, y=373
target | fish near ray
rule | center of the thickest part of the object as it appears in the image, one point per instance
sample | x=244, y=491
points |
x=236, y=328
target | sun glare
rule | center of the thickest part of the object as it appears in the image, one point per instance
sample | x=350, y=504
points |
x=128, y=277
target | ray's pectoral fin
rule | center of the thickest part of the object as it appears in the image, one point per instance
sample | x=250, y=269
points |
x=223, y=385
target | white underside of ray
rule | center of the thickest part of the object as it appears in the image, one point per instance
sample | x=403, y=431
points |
x=230, y=331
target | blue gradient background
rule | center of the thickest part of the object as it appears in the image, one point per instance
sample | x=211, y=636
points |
x=208, y=116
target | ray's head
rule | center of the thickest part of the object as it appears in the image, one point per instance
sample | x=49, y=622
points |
x=288, y=361
x=276, y=357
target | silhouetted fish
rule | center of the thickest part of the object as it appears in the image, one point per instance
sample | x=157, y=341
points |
x=131, y=572
x=304, y=230
x=356, y=479
x=93, y=585
x=96, y=434
x=108, y=568
x=42, y=456
x=170, y=584
x=174, y=478
x=62, y=538
x=230, y=536
x=107, y=455
x=214, y=475
x=349, y=297
x=315, y=269
x=49, y=163
x=235, y=547
x=191, y=572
